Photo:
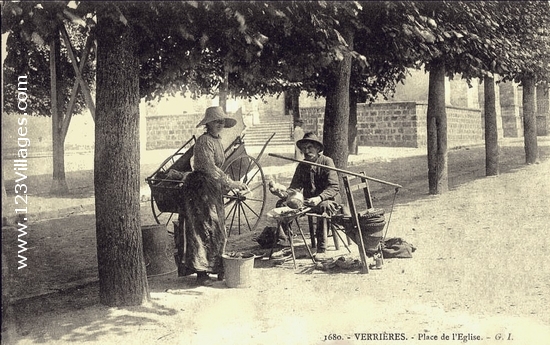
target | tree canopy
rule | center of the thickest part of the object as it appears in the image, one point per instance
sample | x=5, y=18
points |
x=266, y=47
x=32, y=25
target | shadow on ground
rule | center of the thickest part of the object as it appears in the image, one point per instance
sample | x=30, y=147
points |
x=64, y=250
x=464, y=165
x=79, y=326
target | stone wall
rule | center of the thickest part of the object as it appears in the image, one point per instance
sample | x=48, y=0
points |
x=171, y=131
x=512, y=109
x=270, y=106
x=80, y=135
x=464, y=126
x=402, y=124
x=313, y=119
x=388, y=124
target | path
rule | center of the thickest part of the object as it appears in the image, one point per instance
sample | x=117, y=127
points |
x=479, y=270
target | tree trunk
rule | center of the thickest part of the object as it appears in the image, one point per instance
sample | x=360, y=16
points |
x=297, y=122
x=335, y=128
x=352, y=126
x=59, y=183
x=529, y=121
x=294, y=95
x=7, y=212
x=224, y=89
x=9, y=332
x=491, y=130
x=122, y=274
x=437, y=130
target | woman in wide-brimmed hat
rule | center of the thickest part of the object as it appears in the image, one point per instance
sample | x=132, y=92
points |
x=203, y=202
x=216, y=114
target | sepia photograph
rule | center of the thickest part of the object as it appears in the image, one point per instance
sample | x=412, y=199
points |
x=275, y=172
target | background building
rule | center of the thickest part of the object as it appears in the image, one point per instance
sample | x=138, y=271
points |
x=398, y=121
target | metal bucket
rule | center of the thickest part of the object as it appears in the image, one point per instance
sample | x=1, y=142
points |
x=238, y=270
x=158, y=250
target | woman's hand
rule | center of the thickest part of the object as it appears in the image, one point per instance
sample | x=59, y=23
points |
x=239, y=185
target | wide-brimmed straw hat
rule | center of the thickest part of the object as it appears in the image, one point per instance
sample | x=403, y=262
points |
x=310, y=137
x=217, y=113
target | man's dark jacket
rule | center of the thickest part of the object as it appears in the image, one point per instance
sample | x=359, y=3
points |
x=316, y=181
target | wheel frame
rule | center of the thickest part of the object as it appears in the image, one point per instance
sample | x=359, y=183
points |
x=240, y=205
x=236, y=203
x=157, y=213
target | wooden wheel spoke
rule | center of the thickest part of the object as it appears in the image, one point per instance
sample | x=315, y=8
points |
x=231, y=210
x=234, y=211
x=231, y=197
x=255, y=187
x=253, y=176
x=251, y=210
x=246, y=219
x=254, y=199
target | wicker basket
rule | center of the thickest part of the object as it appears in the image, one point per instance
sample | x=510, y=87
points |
x=372, y=227
x=167, y=195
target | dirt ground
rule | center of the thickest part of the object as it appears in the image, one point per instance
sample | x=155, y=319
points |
x=480, y=274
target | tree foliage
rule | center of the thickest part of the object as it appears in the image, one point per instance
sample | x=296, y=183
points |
x=191, y=54
x=526, y=50
x=269, y=46
x=31, y=26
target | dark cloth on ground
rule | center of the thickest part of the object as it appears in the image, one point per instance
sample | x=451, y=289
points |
x=397, y=248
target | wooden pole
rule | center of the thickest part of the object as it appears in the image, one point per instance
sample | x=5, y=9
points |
x=337, y=169
x=355, y=220
x=74, y=92
x=78, y=69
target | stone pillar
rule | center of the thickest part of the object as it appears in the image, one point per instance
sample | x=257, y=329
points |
x=498, y=109
x=543, y=110
x=461, y=95
x=472, y=100
x=298, y=134
x=448, y=98
x=510, y=104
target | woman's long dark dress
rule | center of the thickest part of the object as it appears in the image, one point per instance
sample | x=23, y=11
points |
x=204, y=214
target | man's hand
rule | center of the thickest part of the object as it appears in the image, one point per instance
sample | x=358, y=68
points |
x=277, y=189
x=316, y=200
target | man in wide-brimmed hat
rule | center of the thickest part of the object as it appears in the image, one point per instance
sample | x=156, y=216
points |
x=310, y=139
x=319, y=186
